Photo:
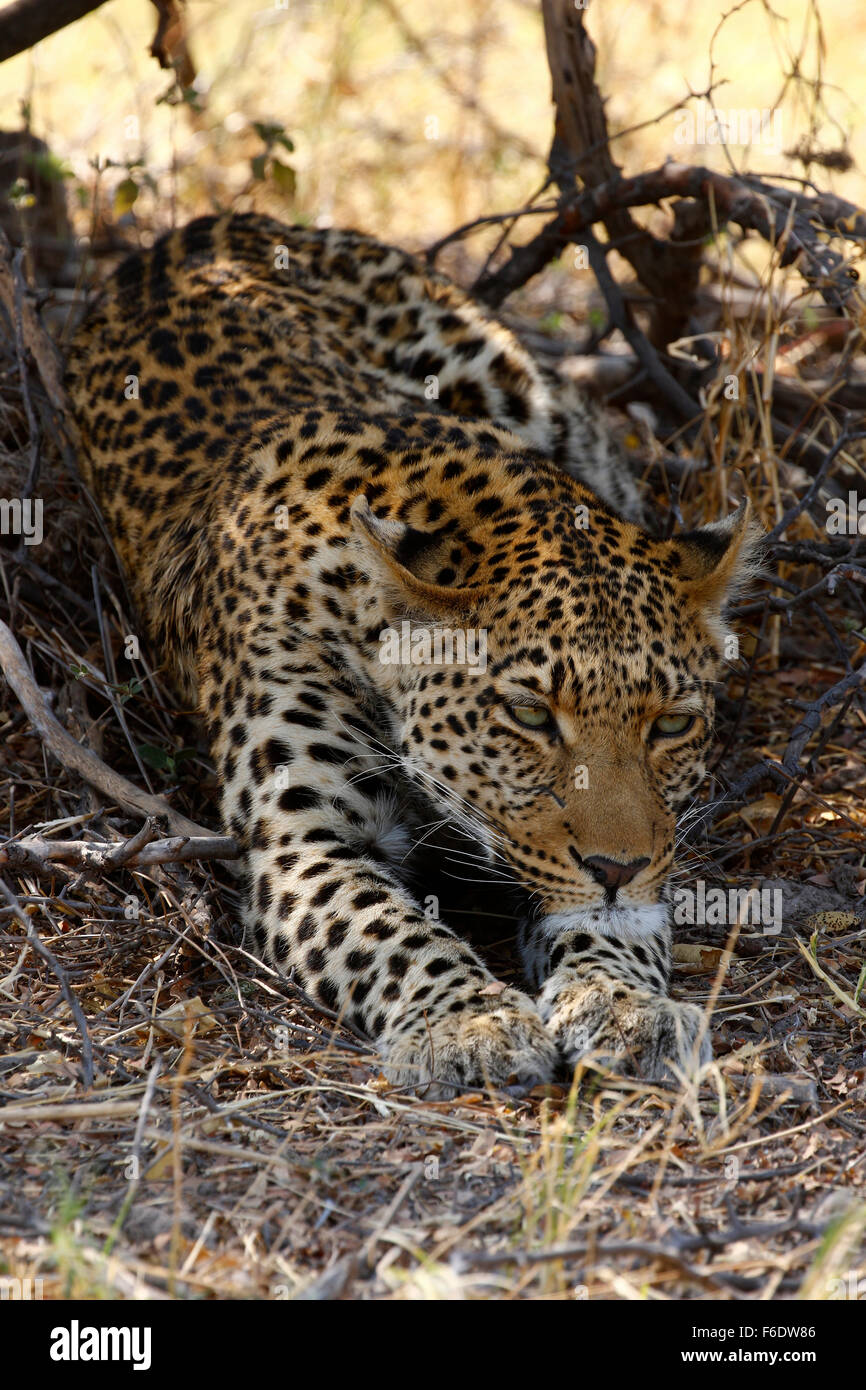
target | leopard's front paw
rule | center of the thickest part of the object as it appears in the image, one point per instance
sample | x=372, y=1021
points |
x=630, y=1031
x=498, y=1041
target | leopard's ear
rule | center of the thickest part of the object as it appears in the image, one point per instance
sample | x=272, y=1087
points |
x=407, y=558
x=717, y=561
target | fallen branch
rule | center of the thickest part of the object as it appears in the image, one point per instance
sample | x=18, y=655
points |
x=37, y=1112
x=40, y=856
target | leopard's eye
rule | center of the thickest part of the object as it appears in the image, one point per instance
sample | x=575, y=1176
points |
x=532, y=716
x=668, y=724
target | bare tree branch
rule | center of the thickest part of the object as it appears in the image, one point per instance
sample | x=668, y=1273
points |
x=29, y=21
x=581, y=148
x=747, y=202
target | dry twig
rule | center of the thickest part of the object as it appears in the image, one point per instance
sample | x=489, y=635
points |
x=80, y=760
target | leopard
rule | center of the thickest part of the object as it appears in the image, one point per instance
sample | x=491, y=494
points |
x=399, y=569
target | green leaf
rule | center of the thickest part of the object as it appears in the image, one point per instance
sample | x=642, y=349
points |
x=124, y=196
x=156, y=757
x=51, y=167
x=129, y=690
x=284, y=177
x=257, y=164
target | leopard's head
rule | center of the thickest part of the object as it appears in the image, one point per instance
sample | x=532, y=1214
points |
x=565, y=715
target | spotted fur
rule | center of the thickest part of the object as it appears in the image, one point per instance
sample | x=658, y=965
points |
x=283, y=488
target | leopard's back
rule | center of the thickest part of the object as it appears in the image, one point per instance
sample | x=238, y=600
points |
x=203, y=344
x=237, y=317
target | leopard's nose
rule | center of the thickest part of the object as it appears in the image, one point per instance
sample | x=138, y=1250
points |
x=611, y=873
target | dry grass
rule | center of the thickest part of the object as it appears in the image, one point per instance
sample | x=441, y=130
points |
x=234, y=1142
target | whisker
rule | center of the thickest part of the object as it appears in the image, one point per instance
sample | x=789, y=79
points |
x=436, y=825
x=466, y=817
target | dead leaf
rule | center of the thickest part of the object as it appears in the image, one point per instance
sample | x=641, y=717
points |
x=160, y=1168
x=758, y=816
x=174, y=1018
x=800, y=1052
x=699, y=960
